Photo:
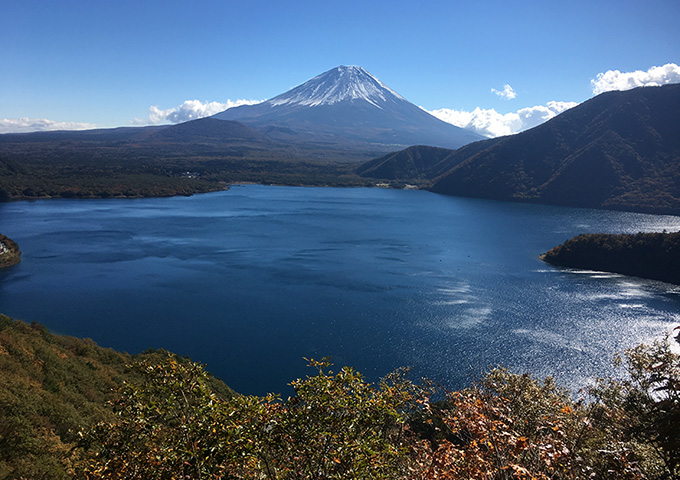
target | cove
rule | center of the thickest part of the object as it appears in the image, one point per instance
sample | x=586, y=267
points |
x=251, y=280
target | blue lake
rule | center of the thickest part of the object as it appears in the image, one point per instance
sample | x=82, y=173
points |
x=251, y=280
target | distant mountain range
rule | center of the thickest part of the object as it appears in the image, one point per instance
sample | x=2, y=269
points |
x=343, y=115
x=344, y=103
x=619, y=150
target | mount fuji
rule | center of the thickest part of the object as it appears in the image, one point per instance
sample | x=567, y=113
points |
x=314, y=134
x=348, y=104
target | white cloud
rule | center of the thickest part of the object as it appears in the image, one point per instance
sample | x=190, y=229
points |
x=507, y=93
x=487, y=122
x=25, y=125
x=616, y=80
x=533, y=116
x=189, y=110
x=490, y=123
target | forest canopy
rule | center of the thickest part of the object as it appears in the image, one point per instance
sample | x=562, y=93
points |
x=647, y=255
x=71, y=409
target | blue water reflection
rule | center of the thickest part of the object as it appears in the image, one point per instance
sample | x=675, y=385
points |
x=253, y=279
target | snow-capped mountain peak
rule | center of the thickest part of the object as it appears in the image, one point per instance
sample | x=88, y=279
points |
x=343, y=106
x=336, y=85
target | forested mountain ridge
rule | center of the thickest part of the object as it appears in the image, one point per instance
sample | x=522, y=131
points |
x=619, y=150
x=415, y=163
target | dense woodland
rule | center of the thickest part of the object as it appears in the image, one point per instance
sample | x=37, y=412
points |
x=648, y=255
x=71, y=409
x=193, y=157
x=51, y=388
x=619, y=150
x=159, y=177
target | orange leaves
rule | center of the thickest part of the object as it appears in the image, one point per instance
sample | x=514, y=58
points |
x=509, y=427
x=512, y=427
x=521, y=444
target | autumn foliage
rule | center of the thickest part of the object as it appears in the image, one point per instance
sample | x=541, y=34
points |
x=337, y=425
x=165, y=417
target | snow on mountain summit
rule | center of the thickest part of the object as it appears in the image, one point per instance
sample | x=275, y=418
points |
x=336, y=85
x=343, y=106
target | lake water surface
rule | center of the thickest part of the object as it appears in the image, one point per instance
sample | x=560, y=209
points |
x=251, y=280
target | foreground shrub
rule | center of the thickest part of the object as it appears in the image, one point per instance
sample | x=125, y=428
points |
x=514, y=427
x=172, y=425
x=644, y=407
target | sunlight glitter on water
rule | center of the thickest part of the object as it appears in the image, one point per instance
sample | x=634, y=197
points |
x=378, y=279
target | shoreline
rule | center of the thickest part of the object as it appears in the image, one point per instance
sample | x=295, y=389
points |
x=10, y=254
x=224, y=186
x=652, y=256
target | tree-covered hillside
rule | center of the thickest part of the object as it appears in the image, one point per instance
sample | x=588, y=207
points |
x=51, y=387
x=619, y=150
x=647, y=255
x=413, y=165
x=193, y=157
x=71, y=409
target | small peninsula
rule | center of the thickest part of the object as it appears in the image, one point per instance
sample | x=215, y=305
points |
x=9, y=252
x=655, y=256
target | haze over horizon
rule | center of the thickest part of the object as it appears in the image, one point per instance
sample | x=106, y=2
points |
x=496, y=68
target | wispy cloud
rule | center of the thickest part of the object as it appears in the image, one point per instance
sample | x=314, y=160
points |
x=189, y=110
x=617, y=80
x=490, y=123
x=507, y=93
x=25, y=125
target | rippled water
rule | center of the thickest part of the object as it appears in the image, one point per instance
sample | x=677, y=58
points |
x=253, y=279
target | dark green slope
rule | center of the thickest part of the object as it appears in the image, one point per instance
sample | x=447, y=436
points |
x=193, y=157
x=412, y=163
x=419, y=162
x=619, y=150
x=51, y=386
x=209, y=130
x=646, y=255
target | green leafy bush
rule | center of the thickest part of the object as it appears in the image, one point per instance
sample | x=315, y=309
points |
x=70, y=409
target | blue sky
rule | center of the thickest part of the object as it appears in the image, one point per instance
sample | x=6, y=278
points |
x=106, y=63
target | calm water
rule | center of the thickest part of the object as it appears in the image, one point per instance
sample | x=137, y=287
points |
x=251, y=280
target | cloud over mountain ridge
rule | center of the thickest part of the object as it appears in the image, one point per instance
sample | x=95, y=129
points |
x=654, y=77
x=491, y=124
x=486, y=122
x=26, y=125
